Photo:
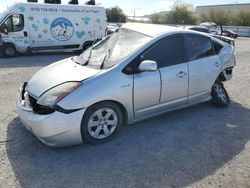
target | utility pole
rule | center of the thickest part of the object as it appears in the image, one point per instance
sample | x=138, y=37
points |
x=135, y=12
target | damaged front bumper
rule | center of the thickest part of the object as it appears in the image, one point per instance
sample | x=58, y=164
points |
x=56, y=129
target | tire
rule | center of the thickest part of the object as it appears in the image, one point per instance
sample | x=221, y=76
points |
x=9, y=51
x=28, y=52
x=220, y=96
x=85, y=47
x=101, y=122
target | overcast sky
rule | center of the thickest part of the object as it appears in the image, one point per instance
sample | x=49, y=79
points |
x=145, y=6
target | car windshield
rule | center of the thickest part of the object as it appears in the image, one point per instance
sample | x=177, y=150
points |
x=113, y=49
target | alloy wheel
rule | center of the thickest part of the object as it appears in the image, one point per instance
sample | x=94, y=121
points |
x=102, y=123
x=220, y=92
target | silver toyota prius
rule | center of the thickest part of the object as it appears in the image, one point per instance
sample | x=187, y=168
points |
x=138, y=72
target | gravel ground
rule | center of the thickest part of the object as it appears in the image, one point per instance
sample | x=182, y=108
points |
x=200, y=146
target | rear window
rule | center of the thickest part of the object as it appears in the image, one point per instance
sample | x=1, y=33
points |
x=200, y=30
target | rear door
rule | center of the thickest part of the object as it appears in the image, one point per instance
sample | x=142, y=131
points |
x=204, y=66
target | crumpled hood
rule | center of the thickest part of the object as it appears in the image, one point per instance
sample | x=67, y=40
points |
x=57, y=73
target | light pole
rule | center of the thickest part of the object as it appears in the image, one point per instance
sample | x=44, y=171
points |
x=135, y=12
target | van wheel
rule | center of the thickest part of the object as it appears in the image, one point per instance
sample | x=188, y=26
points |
x=220, y=96
x=28, y=52
x=9, y=51
x=87, y=45
x=101, y=122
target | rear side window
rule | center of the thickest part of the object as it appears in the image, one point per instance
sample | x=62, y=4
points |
x=167, y=52
x=217, y=47
x=199, y=47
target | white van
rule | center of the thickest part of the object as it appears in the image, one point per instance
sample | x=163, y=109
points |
x=34, y=27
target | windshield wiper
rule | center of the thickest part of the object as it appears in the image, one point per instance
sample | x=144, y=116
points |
x=87, y=60
x=104, y=59
x=75, y=59
x=90, y=53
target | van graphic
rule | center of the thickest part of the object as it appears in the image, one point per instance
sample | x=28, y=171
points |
x=62, y=29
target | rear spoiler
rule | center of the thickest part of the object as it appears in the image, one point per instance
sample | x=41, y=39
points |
x=225, y=39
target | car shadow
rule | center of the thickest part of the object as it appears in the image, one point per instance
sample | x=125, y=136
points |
x=30, y=60
x=173, y=150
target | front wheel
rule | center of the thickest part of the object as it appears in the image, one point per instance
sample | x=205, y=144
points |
x=101, y=122
x=9, y=51
x=220, y=96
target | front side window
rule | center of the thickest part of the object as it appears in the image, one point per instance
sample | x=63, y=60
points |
x=14, y=23
x=167, y=52
x=199, y=47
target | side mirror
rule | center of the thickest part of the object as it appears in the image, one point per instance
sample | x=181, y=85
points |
x=148, y=65
x=4, y=29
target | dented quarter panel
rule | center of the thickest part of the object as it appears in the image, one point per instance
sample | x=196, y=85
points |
x=227, y=57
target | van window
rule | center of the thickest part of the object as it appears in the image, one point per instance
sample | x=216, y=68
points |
x=167, y=52
x=14, y=23
x=199, y=47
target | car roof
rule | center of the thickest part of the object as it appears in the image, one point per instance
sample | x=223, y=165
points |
x=151, y=30
x=154, y=30
x=198, y=27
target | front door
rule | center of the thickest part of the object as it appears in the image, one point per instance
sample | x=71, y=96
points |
x=167, y=87
x=174, y=72
x=16, y=33
x=147, y=92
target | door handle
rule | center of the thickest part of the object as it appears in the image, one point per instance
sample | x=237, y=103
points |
x=217, y=64
x=25, y=33
x=181, y=74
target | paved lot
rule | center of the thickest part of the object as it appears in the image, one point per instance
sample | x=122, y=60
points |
x=201, y=146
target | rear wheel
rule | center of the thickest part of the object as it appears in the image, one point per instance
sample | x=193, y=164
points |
x=101, y=122
x=9, y=51
x=220, y=96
